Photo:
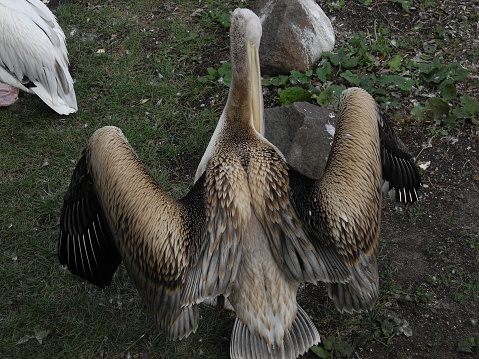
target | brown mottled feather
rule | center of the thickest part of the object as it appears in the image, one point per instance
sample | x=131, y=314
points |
x=157, y=237
x=342, y=209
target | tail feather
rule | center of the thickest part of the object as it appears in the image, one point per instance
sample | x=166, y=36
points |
x=361, y=292
x=301, y=336
x=186, y=324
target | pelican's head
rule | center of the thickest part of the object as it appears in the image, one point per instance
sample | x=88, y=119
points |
x=246, y=27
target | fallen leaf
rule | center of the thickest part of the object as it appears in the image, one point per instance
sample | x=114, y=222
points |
x=40, y=335
x=25, y=339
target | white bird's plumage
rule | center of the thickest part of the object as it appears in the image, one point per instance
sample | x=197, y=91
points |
x=33, y=54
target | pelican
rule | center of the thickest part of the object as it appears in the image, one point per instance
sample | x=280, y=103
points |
x=251, y=229
x=33, y=54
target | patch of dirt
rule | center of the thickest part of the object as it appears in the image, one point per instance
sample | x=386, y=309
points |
x=436, y=255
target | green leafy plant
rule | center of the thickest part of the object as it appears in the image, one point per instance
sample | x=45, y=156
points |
x=291, y=95
x=379, y=65
x=223, y=74
x=336, y=5
x=332, y=348
x=469, y=345
x=406, y=4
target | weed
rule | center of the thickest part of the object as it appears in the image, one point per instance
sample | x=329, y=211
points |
x=333, y=348
x=336, y=5
x=469, y=345
x=388, y=276
x=415, y=213
x=471, y=242
x=424, y=295
x=222, y=75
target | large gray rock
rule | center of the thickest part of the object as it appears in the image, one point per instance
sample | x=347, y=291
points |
x=303, y=133
x=295, y=34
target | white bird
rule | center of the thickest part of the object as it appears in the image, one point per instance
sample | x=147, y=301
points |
x=33, y=54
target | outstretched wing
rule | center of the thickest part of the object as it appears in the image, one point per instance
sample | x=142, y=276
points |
x=342, y=209
x=114, y=210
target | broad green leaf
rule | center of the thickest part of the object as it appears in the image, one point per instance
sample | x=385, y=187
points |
x=447, y=89
x=225, y=72
x=419, y=112
x=225, y=69
x=320, y=352
x=298, y=77
x=466, y=345
x=328, y=343
x=469, y=109
x=291, y=95
x=330, y=95
x=224, y=19
x=437, y=72
x=426, y=68
x=394, y=63
x=277, y=81
x=324, y=72
x=350, y=77
x=365, y=81
x=342, y=59
x=213, y=73
x=456, y=72
x=429, y=48
x=344, y=348
x=406, y=4
x=403, y=83
x=438, y=108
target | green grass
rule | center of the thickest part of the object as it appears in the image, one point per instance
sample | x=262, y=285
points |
x=139, y=85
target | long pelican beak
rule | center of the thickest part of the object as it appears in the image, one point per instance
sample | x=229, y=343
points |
x=256, y=89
